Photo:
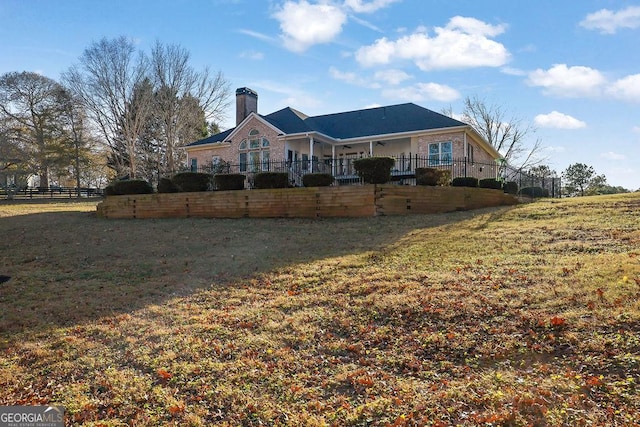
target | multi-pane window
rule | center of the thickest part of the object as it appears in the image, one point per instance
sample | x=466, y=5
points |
x=254, y=153
x=440, y=153
x=470, y=152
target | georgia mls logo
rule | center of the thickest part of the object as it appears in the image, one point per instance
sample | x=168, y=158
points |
x=31, y=416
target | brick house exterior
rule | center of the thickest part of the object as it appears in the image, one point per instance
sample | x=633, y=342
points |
x=321, y=143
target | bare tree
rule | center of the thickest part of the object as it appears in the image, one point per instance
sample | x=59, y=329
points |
x=34, y=106
x=81, y=140
x=508, y=135
x=184, y=100
x=106, y=80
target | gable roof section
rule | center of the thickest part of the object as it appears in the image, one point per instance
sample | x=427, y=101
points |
x=289, y=121
x=218, y=137
x=391, y=119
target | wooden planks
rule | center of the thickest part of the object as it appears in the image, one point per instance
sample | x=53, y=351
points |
x=404, y=200
x=347, y=201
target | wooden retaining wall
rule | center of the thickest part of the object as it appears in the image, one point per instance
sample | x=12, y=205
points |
x=347, y=201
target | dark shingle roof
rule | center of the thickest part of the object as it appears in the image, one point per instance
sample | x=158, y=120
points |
x=218, y=137
x=289, y=121
x=379, y=121
x=354, y=124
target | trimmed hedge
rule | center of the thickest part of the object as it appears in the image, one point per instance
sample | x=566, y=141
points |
x=510, y=187
x=534, y=192
x=317, y=180
x=165, y=185
x=229, y=181
x=432, y=176
x=490, y=183
x=193, y=181
x=264, y=180
x=465, y=181
x=129, y=186
x=374, y=170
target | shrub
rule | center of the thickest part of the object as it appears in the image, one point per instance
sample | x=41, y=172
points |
x=432, y=176
x=510, y=187
x=490, y=183
x=129, y=186
x=465, y=181
x=271, y=180
x=229, y=181
x=193, y=181
x=374, y=170
x=317, y=180
x=534, y=192
x=165, y=185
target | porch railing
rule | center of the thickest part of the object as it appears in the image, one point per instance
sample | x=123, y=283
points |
x=402, y=172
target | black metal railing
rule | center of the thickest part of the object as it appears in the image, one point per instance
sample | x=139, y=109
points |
x=48, y=193
x=403, y=171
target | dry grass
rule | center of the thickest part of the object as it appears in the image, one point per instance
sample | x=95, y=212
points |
x=511, y=316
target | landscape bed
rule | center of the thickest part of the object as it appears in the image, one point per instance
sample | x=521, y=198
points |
x=520, y=315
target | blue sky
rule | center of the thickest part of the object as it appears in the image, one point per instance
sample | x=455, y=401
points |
x=570, y=68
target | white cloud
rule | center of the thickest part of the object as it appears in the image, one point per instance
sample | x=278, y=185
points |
x=568, y=82
x=365, y=24
x=288, y=95
x=626, y=89
x=513, y=71
x=392, y=76
x=252, y=54
x=555, y=149
x=352, y=78
x=360, y=6
x=636, y=129
x=304, y=25
x=462, y=43
x=256, y=35
x=423, y=92
x=610, y=155
x=559, y=121
x=608, y=22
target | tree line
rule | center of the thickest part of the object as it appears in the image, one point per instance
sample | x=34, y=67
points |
x=118, y=112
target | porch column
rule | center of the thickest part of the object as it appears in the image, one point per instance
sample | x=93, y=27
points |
x=370, y=148
x=311, y=153
x=334, y=162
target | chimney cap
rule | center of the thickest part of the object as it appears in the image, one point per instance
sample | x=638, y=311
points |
x=246, y=90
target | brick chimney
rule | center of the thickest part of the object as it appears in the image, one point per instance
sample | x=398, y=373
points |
x=246, y=103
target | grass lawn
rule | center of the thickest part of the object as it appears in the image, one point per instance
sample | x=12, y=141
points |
x=525, y=315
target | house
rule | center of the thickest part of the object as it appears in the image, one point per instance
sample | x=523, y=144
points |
x=290, y=140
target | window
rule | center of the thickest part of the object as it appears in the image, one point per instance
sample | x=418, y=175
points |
x=243, y=162
x=194, y=165
x=254, y=153
x=470, y=152
x=440, y=153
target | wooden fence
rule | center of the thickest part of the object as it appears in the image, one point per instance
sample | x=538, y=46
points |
x=316, y=202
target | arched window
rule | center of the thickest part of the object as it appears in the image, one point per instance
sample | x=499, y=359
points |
x=254, y=153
